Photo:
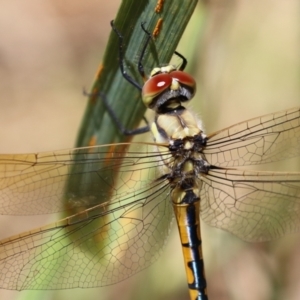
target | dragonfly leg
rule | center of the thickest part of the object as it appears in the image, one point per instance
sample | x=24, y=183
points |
x=121, y=58
x=114, y=117
x=184, y=61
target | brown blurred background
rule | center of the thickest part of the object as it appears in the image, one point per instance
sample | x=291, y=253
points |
x=49, y=51
x=245, y=55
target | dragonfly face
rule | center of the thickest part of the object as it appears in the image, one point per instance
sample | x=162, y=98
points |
x=166, y=88
x=129, y=214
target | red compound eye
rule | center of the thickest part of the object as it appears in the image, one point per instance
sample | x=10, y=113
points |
x=157, y=84
x=154, y=86
x=184, y=78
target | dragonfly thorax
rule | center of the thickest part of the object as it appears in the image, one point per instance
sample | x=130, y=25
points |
x=186, y=167
x=181, y=129
x=177, y=124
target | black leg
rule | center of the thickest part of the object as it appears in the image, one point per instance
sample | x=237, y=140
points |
x=120, y=126
x=111, y=112
x=184, y=61
x=140, y=65
x=121, y=58
x=116, y=120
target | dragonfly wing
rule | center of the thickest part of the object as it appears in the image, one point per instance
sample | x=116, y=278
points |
x=265, y=139
x=255, y=206
x=100, y=246
x=73, y=179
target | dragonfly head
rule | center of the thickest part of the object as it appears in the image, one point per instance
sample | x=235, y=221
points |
x=167, y=88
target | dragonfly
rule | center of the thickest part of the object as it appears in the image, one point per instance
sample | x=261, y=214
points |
x=125, y=195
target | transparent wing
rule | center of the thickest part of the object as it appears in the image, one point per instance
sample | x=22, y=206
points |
x=101, y=245
x=265, y=139
x=75, y=179
x=122, y=202
x=255, y=206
